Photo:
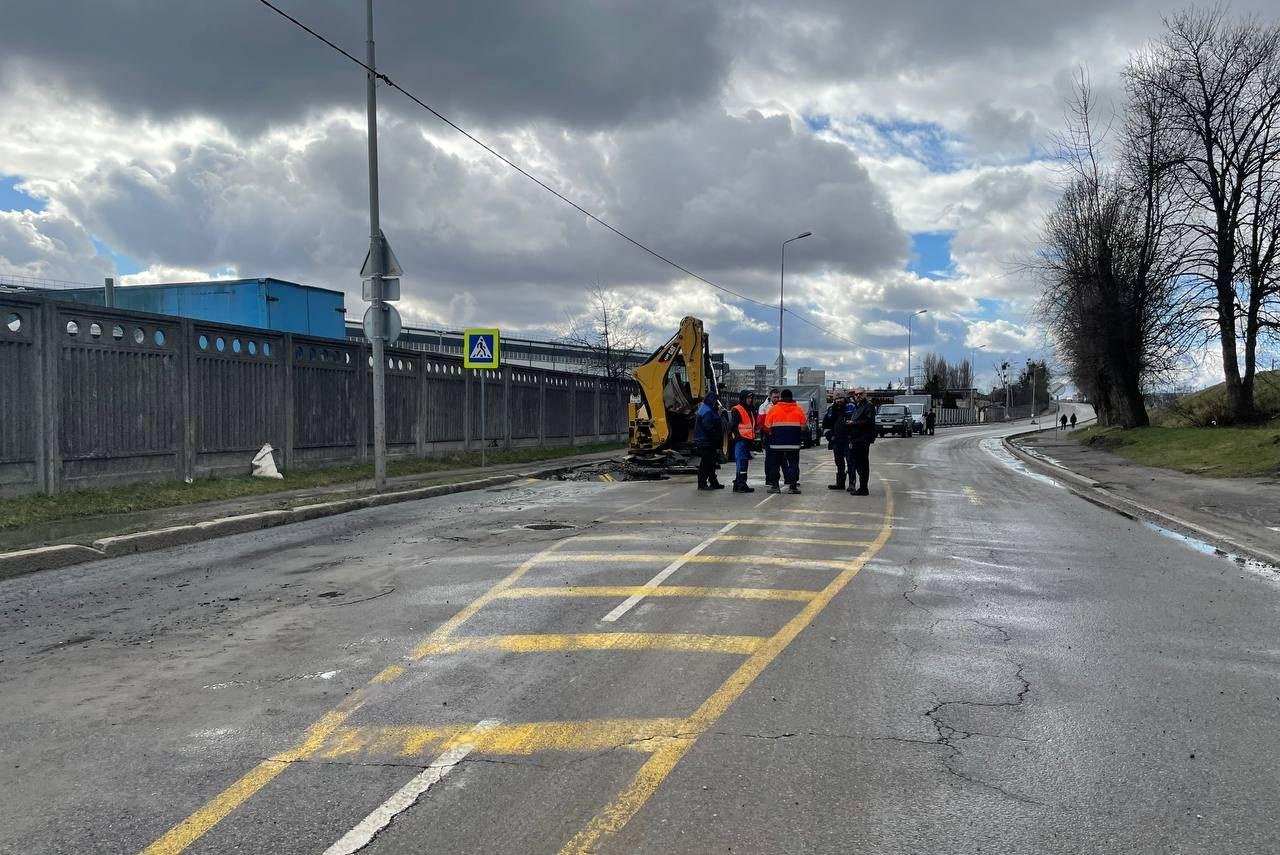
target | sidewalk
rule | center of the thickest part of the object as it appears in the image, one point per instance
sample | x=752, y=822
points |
x=85, y=530
x=1245, y=510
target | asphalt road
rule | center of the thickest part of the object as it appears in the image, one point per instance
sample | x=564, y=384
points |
x=969, y=660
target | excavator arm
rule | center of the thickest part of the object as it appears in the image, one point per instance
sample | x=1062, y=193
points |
x=671, y=385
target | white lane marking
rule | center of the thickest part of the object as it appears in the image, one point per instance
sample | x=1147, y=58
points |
x=661, y=495
x=629, y=603
x=908, y=465
x=407, y=796
x=765, y=499
x=987, y=563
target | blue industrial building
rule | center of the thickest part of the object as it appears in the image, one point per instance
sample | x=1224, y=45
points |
x=266, y=303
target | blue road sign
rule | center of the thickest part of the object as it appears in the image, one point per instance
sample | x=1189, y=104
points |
x=480, y=348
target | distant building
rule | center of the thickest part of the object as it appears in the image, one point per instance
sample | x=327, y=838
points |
x=756, y=379
x=266, y=303
x=811, y=376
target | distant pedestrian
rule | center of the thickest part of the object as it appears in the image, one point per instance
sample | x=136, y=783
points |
x=785, y=425
x=862, y=432
x=708, y=437
x=929, y=420
x=1073, y=421
x=835, y=427
x=742, y=436
x=770, y=458
x=1063, y=421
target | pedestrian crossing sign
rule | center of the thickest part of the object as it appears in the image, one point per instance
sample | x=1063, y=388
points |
x=480, y=348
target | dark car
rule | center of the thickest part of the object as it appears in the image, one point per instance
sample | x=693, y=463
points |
x=893, y=418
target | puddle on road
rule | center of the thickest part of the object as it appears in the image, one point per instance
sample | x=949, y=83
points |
x=995, y=447
x=1262, y=568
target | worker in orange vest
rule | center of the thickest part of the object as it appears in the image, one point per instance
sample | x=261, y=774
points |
x=742, y=437
x=785, y=426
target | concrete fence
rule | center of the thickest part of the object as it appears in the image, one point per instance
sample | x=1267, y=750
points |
x=91, y=396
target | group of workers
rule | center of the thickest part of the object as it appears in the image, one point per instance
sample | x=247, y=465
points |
x=849, y=426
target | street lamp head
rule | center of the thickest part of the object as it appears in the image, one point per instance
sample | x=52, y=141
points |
x=921, y=312
x=805, y=235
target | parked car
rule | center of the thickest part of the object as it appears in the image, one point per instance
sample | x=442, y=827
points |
x=893, y=418
x=919, y=405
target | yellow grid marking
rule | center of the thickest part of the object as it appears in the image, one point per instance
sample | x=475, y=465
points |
x=688, y=642
x=608, y=591
x=806, y=512
x=644, y=734
x=641, y=557
x=800, y=523
x=764, y=538
x=386, y=675
x=618, y=812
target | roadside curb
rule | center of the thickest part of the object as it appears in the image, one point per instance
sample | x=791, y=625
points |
x=26, y=561
x=1091, y=491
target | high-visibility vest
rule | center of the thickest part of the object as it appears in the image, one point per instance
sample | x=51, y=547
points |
x=785, y=424
x=746, y=424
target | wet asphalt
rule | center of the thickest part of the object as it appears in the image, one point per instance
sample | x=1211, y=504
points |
x=988, y=665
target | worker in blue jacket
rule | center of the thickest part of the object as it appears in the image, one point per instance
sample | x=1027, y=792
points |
x=708, y=437
x=836, y=428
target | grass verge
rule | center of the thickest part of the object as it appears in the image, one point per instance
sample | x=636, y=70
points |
x=1217, y=452
x=25, y=511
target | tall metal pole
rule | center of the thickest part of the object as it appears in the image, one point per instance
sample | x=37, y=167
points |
x=376, y=257
x=910, y=379
x=782, y=279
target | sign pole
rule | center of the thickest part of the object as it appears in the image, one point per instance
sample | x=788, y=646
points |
x=481, y=348
x=377, y=271
x=484, y=437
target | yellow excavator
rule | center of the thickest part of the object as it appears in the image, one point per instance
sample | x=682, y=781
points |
x=672, y=384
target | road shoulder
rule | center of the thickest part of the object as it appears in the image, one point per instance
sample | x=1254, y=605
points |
x=1239, y=515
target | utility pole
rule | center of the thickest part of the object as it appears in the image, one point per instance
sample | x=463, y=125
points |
x=911, y=380
x=376, y=258
x=782, y=281
x=1031, y=372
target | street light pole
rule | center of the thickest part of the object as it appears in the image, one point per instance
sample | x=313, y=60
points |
x=782, y=279
x=910, y=380
x=377, y=271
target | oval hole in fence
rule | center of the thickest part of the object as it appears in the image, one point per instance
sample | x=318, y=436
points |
x=235, y=345
x=346, y=358
x=370, y=361
x=220, y=343
x=311, y=353
x=253, y=348
x=203, y=342
x=13, y=322
x=158, y=338
x=73, y=328
x=138, y=335
x=117, y=332
x=95, y=330
x=266, y=348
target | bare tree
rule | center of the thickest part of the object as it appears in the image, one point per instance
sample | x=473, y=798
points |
x=1217, y=82
x=612, y=342
x=1111, y=254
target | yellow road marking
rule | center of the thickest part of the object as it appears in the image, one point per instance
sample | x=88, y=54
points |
x=193, y=827
x=608, y=591
x=764, y=538
x=386, y=675
x=799, y=523
x=641, y=557
x=973, y=495
x=197, y=824
x=646, y=781
x=644, y=735
x=544, y=643
x=830, y=513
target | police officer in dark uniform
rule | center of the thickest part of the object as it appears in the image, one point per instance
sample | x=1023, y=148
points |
x=835, y=427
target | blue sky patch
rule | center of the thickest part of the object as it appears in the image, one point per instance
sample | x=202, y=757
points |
x=818, y=124
x=124, y=263
x=931, y=255
x=13, y=199
x=926, y=142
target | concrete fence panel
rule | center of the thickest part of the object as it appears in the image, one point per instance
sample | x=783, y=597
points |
x=91, y=396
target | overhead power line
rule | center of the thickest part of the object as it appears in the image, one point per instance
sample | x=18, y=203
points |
x=545, y=186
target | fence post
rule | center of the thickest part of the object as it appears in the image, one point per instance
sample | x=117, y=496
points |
x=288, y=394
x=43, y=391
x=573, y=409
x=364, y=371
x=466, y=408
x=542, y=409
x=420, y=422
x=185, y=358
x=52, y=398
x=597, y=384
x=506, y=404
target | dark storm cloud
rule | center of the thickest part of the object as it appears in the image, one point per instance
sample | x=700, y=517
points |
x=580, y=63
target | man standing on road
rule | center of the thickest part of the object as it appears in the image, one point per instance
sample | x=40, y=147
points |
x=708, y=436
x=835, y=426
x=1073, y=421
x=742, y=435
x=770, y=458
x=785, y=426
x=862, y=432
x=930, y=420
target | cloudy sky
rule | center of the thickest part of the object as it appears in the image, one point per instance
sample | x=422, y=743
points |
x=163, y=141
